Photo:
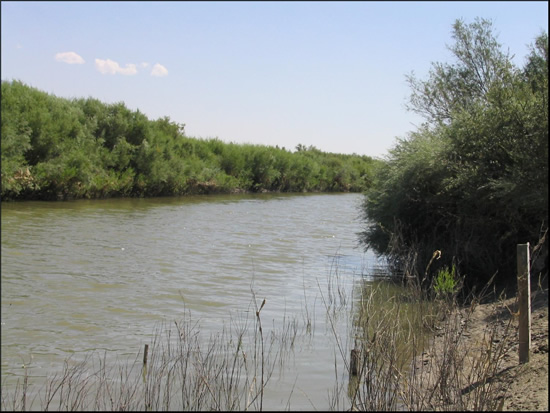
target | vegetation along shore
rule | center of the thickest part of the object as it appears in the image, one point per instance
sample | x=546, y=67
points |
x=55, y=148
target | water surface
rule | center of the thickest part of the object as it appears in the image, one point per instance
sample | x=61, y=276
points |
x=100, y=275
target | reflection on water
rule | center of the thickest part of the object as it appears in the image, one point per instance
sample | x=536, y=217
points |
x=100, y=275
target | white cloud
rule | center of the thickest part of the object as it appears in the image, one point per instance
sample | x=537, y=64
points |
x=69, y=57
x=145, y=65
x=159, y=70
x=111, y=67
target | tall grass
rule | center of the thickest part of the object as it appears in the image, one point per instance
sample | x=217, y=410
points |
x=412, y=351
x=228, y=371
x=382, y=335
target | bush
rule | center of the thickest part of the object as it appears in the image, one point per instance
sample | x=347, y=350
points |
x=446, y=283
x=54, y=148
x=473, y=180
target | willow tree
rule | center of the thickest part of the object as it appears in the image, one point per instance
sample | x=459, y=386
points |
x=472, y=181
x=452, y=87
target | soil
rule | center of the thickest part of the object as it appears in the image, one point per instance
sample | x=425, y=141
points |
x=523, y=387
x=527, y=383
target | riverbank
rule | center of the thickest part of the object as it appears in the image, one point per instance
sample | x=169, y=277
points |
x=65, y=149
x=493, y=327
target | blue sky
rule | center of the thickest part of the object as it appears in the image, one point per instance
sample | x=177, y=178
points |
x=328, y=74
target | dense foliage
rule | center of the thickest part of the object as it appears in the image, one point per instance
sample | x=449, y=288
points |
x=56, y=148
x=472, y=181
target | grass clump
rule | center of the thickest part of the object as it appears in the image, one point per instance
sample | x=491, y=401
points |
x=446, y=283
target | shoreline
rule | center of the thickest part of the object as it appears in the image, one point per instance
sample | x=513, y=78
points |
x=494, y=326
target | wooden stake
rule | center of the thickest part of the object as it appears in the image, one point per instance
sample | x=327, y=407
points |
x=354, y=362
x=524, y=296
x=145, y=351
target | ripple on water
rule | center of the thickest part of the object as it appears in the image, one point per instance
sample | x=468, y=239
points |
x=84, y=276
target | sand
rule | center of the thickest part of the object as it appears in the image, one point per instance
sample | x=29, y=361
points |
x=524, y=387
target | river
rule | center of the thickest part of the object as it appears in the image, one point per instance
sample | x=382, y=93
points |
x=102, y=275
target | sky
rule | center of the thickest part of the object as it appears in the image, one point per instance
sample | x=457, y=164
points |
x=327, y=74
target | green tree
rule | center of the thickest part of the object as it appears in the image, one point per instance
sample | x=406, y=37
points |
x=480, y=63
x=16, y=141
x=473, y=180
x=54, y=148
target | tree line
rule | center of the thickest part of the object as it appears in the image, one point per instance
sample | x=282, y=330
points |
x=472, y=180
x=55, y=148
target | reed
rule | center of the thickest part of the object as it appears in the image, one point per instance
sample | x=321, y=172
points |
x=390, y=329
x=228, y=371
x=394, y=332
